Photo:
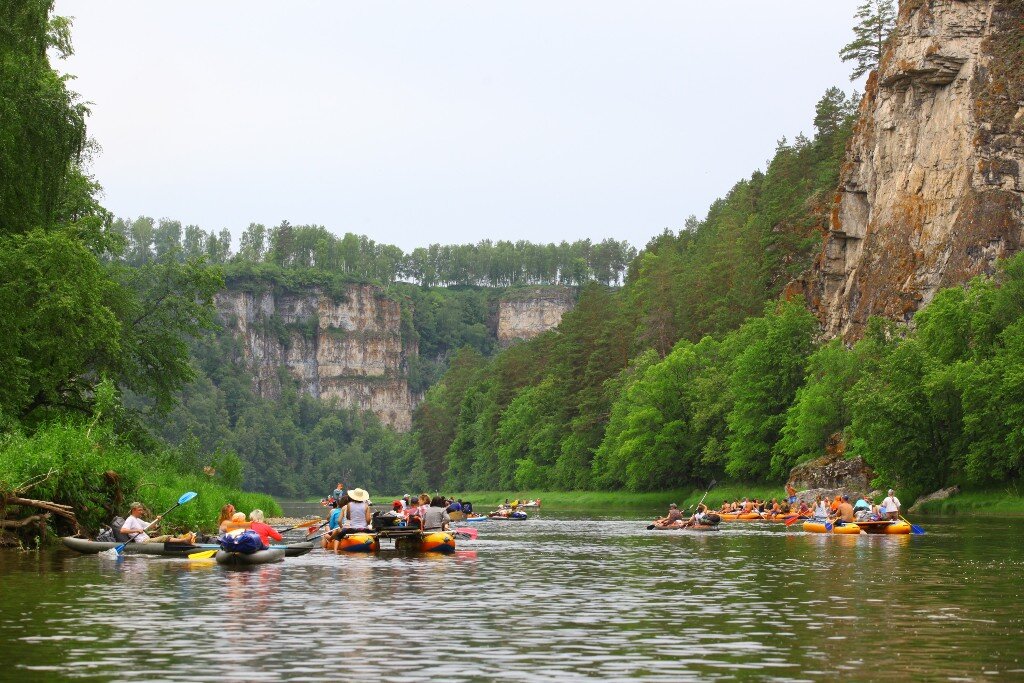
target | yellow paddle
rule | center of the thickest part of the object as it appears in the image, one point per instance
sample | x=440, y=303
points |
x=204, y=555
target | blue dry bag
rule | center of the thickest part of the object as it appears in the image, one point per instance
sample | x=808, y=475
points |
x=246, y=542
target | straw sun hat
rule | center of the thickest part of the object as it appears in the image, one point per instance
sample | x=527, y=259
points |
x=359, y=495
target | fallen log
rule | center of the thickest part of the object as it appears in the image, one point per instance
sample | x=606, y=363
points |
x=19, y=523
x=65, y=511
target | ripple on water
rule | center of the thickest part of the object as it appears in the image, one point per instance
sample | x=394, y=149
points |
x=548, y=599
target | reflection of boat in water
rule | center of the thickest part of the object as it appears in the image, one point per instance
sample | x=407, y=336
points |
x=402, y=539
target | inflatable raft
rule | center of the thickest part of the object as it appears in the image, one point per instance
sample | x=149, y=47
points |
x=85, y=546
x=352, y=543
x=241, y=559
x=819, y=528
x=886, y=526
x=507, y=515
x=428, y=542
x=684, y=526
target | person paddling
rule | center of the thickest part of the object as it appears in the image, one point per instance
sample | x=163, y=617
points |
x=135, y=528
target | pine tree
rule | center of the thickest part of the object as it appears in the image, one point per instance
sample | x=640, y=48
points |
x=876, y=19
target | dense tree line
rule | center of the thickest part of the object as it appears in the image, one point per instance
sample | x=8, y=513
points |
x=549, y=412
x=352, y=257
x=77, y=326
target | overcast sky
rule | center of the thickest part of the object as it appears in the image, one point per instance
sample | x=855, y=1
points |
x=451, y=122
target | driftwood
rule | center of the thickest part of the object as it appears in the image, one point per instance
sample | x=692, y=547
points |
x=65, y=511
x=19, y=523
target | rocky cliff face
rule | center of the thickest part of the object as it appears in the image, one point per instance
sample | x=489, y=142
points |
x=530, y=313
x=350, y=350
x=931, y=191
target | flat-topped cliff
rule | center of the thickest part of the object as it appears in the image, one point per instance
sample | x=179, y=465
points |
x=531, y=312
x=350, y=349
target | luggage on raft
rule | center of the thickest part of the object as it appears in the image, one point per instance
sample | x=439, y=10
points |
x=259, y=557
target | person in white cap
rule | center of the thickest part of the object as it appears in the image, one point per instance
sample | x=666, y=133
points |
x=892, y=505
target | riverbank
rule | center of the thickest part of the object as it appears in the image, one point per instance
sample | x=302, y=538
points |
x=88, y=476
x=1005, y=501
x=1008, y=500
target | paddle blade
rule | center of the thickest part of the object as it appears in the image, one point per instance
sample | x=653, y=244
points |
x=792, y=520
x=205, y=555
x=828, y=525
x=186, y=497
x=650, y=526
x=468, y=532
x=918, y=531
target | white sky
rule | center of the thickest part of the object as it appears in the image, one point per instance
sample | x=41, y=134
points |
x=450, y=122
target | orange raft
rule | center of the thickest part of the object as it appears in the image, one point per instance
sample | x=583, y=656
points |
x=819, y=528
x=886, y=526
x=352, y=543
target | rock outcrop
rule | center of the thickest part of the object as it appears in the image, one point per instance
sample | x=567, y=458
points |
x=931, y=190
x=832, y=473
x=529, y=313
x=350, y=349
x=941, y=494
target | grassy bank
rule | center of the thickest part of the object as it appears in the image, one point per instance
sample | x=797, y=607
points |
x=89, y=470
x=1007, y=500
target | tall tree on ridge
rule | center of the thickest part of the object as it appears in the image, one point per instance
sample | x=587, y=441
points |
x=876, y=20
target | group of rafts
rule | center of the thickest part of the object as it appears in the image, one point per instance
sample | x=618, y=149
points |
x=812, y=525
x=412, y=539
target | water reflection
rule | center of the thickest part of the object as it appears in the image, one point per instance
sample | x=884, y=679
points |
x=552, y=598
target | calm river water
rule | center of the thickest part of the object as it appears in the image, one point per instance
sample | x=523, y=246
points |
x=561, y=596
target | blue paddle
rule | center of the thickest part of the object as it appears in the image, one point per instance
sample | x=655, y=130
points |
x=185, y=497
x=913, y=527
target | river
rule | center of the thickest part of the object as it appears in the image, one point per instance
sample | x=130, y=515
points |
x=560, y=596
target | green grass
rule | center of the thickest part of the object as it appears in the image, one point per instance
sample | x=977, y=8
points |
x=1006, y=500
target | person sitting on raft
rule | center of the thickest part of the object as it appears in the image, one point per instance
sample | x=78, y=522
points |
x=355, y=515
x=135, y=529
x=698, y=518
x=435, y=518
x=845, y=510
x=265, y=531
x=673, y=516
x=821, y=509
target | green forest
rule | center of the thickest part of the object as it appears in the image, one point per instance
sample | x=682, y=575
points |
x=679, y=364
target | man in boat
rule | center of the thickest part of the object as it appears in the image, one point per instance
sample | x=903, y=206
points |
x=892, y=505
x=845, y=510
x=790, y=493
x=699, y=518
x=673, y=516
x=337, y=494
x=135, y=528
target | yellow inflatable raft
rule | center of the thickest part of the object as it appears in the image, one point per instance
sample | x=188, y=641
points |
x=819, y=528
x=353, y=543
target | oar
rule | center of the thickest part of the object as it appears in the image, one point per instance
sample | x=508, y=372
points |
x=466, y=532
x=204, y=555
x=185, y=497
x=314, y=520
x=918, y=531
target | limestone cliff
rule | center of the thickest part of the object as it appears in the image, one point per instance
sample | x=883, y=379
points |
x=350, y=349
x=931, y=190
x=531, y=312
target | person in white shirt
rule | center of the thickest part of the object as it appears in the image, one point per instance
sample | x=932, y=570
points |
x=892, y=505
x=135, y=528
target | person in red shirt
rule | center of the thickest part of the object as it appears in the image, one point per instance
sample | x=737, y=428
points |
x=265, y=531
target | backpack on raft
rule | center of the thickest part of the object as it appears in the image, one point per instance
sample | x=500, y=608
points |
x=246, y=542
x=712, y=519
x=115, y=530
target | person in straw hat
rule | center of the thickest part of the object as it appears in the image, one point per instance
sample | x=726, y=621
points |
x=355, y=515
